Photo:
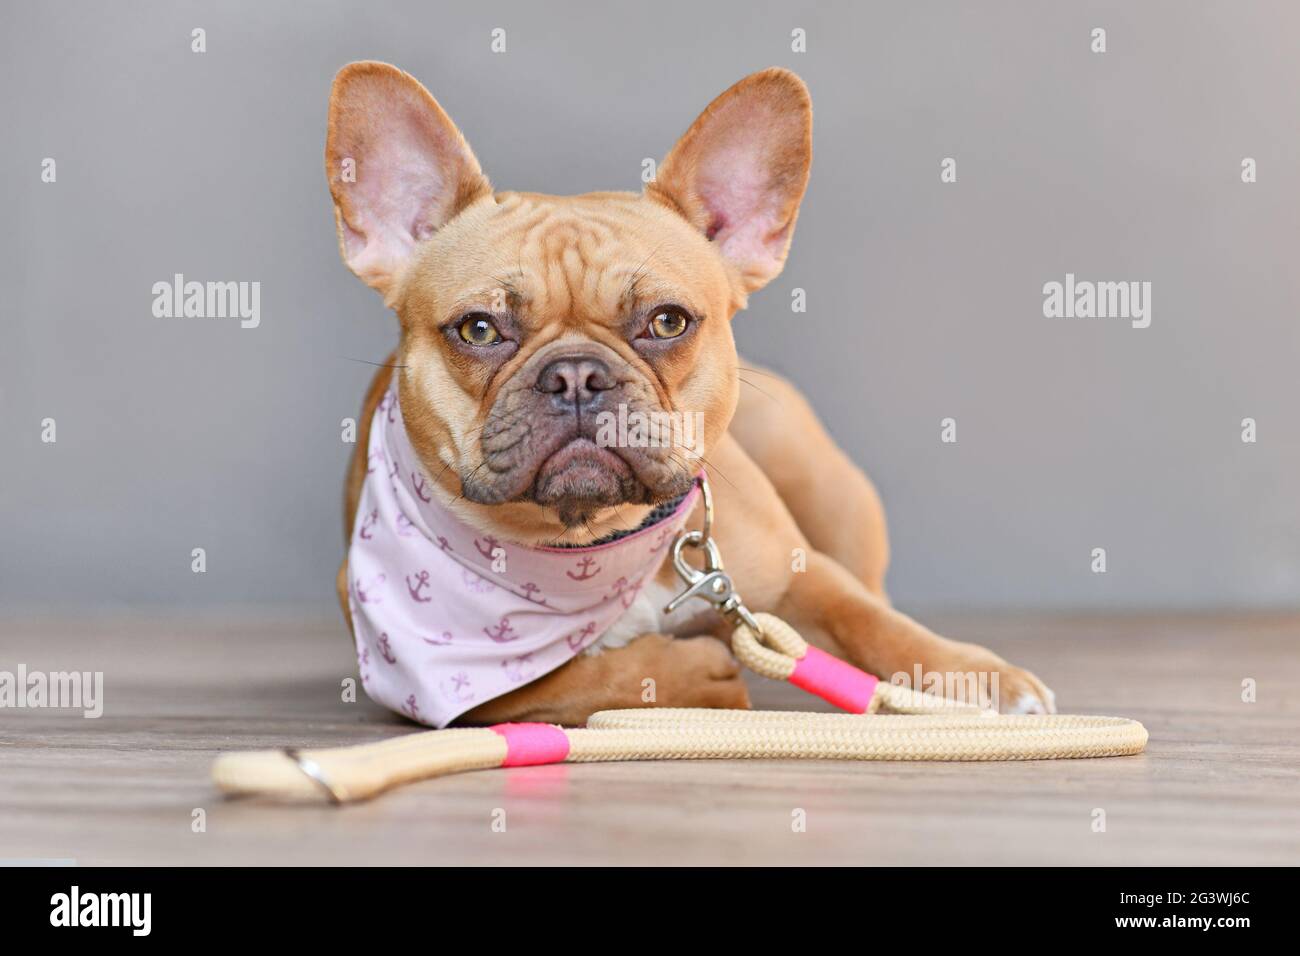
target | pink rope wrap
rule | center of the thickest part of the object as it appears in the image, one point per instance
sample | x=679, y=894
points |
x=530, y=744
x=834, y=681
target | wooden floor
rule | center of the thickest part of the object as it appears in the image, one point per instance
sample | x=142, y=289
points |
x=1218, y=784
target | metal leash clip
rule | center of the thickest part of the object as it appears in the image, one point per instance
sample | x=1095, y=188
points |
x=711, y=584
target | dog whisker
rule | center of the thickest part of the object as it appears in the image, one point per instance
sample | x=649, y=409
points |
x=375, y=364
x=757, y=371
x=761, y=391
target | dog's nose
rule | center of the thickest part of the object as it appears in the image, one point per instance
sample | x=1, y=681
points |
x=575, y=380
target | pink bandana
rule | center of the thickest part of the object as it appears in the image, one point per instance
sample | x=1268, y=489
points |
x=445, y=618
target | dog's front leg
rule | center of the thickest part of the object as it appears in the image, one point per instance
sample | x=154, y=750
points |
x=826, y=601
x=654, y=670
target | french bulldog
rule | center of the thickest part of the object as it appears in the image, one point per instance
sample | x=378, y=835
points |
x=524, y=316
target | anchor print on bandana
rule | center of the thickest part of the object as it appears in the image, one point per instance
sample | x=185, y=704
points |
x=493, y=552
x=585, y=569
x=458, y=687
x=662, y=540
x=416, y=590
x=625, y=592
x=373, y=460
x=405, y=528
x=368, y=525
x=386, y=649
x=419, y=485
x=534, y=594
x=411, y=708
x=503, y=633
x=519, y=669
x=366, y=594
x=441, y=641
x=476, y=583
x=580, y=637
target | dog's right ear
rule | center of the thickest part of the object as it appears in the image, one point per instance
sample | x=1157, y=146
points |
x=398, y=170
x=739, y=173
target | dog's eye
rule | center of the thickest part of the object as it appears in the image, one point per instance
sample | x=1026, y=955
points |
x=477, y=329
x=668, y=324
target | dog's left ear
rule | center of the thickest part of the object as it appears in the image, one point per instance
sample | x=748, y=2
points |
x=740, y=171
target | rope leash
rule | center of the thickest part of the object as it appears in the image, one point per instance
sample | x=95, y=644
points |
x=884, y=721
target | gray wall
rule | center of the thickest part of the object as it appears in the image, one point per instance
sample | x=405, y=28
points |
x=924, y=299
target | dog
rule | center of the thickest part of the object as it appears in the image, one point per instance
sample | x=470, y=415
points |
x=525, y=318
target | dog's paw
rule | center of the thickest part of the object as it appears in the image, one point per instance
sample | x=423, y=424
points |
x=1017, y=690
x=1020, y=692
x=705, y=675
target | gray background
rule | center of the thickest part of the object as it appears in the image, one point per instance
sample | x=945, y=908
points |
x=924, y=299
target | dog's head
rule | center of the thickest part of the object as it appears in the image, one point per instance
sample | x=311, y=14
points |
x=555, y=350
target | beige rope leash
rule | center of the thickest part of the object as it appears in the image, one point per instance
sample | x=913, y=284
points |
x=366, y=770
x=900, y=724
x=886, y=722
